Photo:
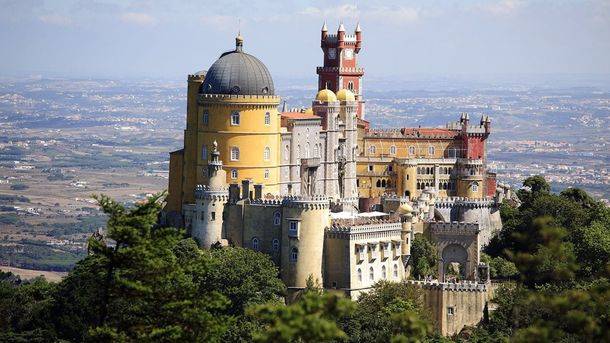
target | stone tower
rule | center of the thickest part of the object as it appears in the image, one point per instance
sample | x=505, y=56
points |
x=210, y=200
x=340, y=69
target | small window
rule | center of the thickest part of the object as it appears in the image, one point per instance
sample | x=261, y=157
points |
x=431, y=150
x=395, y=271
x=383, y=272
x=293, y=229
x=266, y=174
x=350, y=86
x=212, y=216
x=267, y=153
x=359, y=275
x=294, y=254
x=371, y=274
x=286, y=153
x=277, y=218
x=267, y=118
x=204, y=152
x=450, y=310
x=411, y=150
x=206, y=117
x=255, y=244
x=370, y=168
x=306, y=154
x=393, y=150
x=475, y=186
x=234, y=174
x=234, y=153
x=276, y=244
x=235, y=118
x=372, y=149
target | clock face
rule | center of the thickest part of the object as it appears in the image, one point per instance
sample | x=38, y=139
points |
x=348, y=54
x=332, y=53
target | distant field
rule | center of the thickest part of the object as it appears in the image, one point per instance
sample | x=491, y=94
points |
x=27, y=274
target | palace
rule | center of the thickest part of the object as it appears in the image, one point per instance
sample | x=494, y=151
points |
x=325, y=195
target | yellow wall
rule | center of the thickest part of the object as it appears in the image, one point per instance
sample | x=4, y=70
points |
x=383, y=147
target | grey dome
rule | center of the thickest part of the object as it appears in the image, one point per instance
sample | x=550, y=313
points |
x=236, y=72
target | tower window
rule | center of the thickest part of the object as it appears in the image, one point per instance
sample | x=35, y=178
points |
x=204, y=152
x=294, y=254
x=393, y=150
x=475, y=186
x=372, y=149
x=350, y=86
x=255, y=244
x=411, y=150
x=306, y=155
x=276, y=244
x=212, y=216
x=370, y=168
x=234, y=153
x=431, y=150
x=293, y=229
x=206, y=117
x=235, y=118
x=286, y=152
x=267, y=118
x=383, y=272
x=277, y=217
x=266, y=174
x=371, y=274
x=395, y=271
x=359, y=275
x=234, y=174
x=267, y=153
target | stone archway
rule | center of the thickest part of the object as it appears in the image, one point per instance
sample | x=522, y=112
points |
x=454, y=260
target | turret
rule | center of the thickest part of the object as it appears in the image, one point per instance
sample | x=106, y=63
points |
x=358, y=38
x=324, y=33
x=341, y=33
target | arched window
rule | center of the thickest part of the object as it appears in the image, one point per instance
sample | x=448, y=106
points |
x=276, y=244
x=393, y=150
x=206, y=117
x=475, y=186
x=277, y=218
x=267, y=153
x=266, y=174
x=428, y=171
x=294, y=254
x=234, y=174
x=306, y=155
x=372, y=149
x=234, y=153
x=407, y=176
x=204, y=152
x=371, y=274
x=472, y=171
x=411, y=150
x=431, y=150
x=395, y=271
x=359, y=275
x=383, y=273
x=378, y=183
x=255, y=244
x=383, y=183
x=235, y=118
x=316, y=150
x=350, y=85
x=267, y=118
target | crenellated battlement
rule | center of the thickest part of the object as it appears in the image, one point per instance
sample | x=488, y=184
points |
x=204, y=192
x=454, y=228
x=308, y=202
x=276, y=201
x=463, y=286
x=450, y=202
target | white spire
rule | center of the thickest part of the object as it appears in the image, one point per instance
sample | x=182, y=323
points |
x=324, y=27
x=358, y=27
x=341, y=28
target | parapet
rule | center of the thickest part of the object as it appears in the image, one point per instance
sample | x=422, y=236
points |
x=203, y=192
x=239, y=98
x=308, y=202
x=450, y=202
x=463, y=286
x=454, y=228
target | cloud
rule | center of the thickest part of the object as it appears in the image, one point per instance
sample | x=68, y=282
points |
x=221, y=22
x=502, y=7
x=141, y=19
x=396, y=16
x=55, y=19
x=393, y=15
x=345, y=11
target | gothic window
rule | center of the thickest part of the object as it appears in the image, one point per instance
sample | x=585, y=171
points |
x=431, y=151
x=267, y=153
x=277, y=217
x=266, y=174
x=411, y=150
x=378, y=183
x=234, y=174
x=395, y=271
x=393, y=150
x=234, y=153
x=306, y=155
x=204, y=153
x=390, y=168
x=293, y=229
x=383, y=183
x=294, y=254
x=359, y=275
x=316, y=151
x=255, y=244
x=371, y=274
x=472, y=171
x=276, y=244
x=350, y=85
x=383, y=272
x=372, y=149
x=267, y=118
x=235, y=118
x=206, y=117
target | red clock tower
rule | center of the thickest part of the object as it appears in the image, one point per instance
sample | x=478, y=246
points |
x=340, y=68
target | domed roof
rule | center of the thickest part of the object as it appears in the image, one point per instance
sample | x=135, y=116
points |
x=345, y=95
x=236, y=72
x=405, y=209
x=326, y=95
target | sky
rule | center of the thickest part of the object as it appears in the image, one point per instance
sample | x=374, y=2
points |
x=170, y=39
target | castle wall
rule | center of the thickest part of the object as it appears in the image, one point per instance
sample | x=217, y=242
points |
x=258, y=223
x=174, y=195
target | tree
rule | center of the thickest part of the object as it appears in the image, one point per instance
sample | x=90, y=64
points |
x=423, y=257
x=537, y=184
x=389, y=310
x=312, y=318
